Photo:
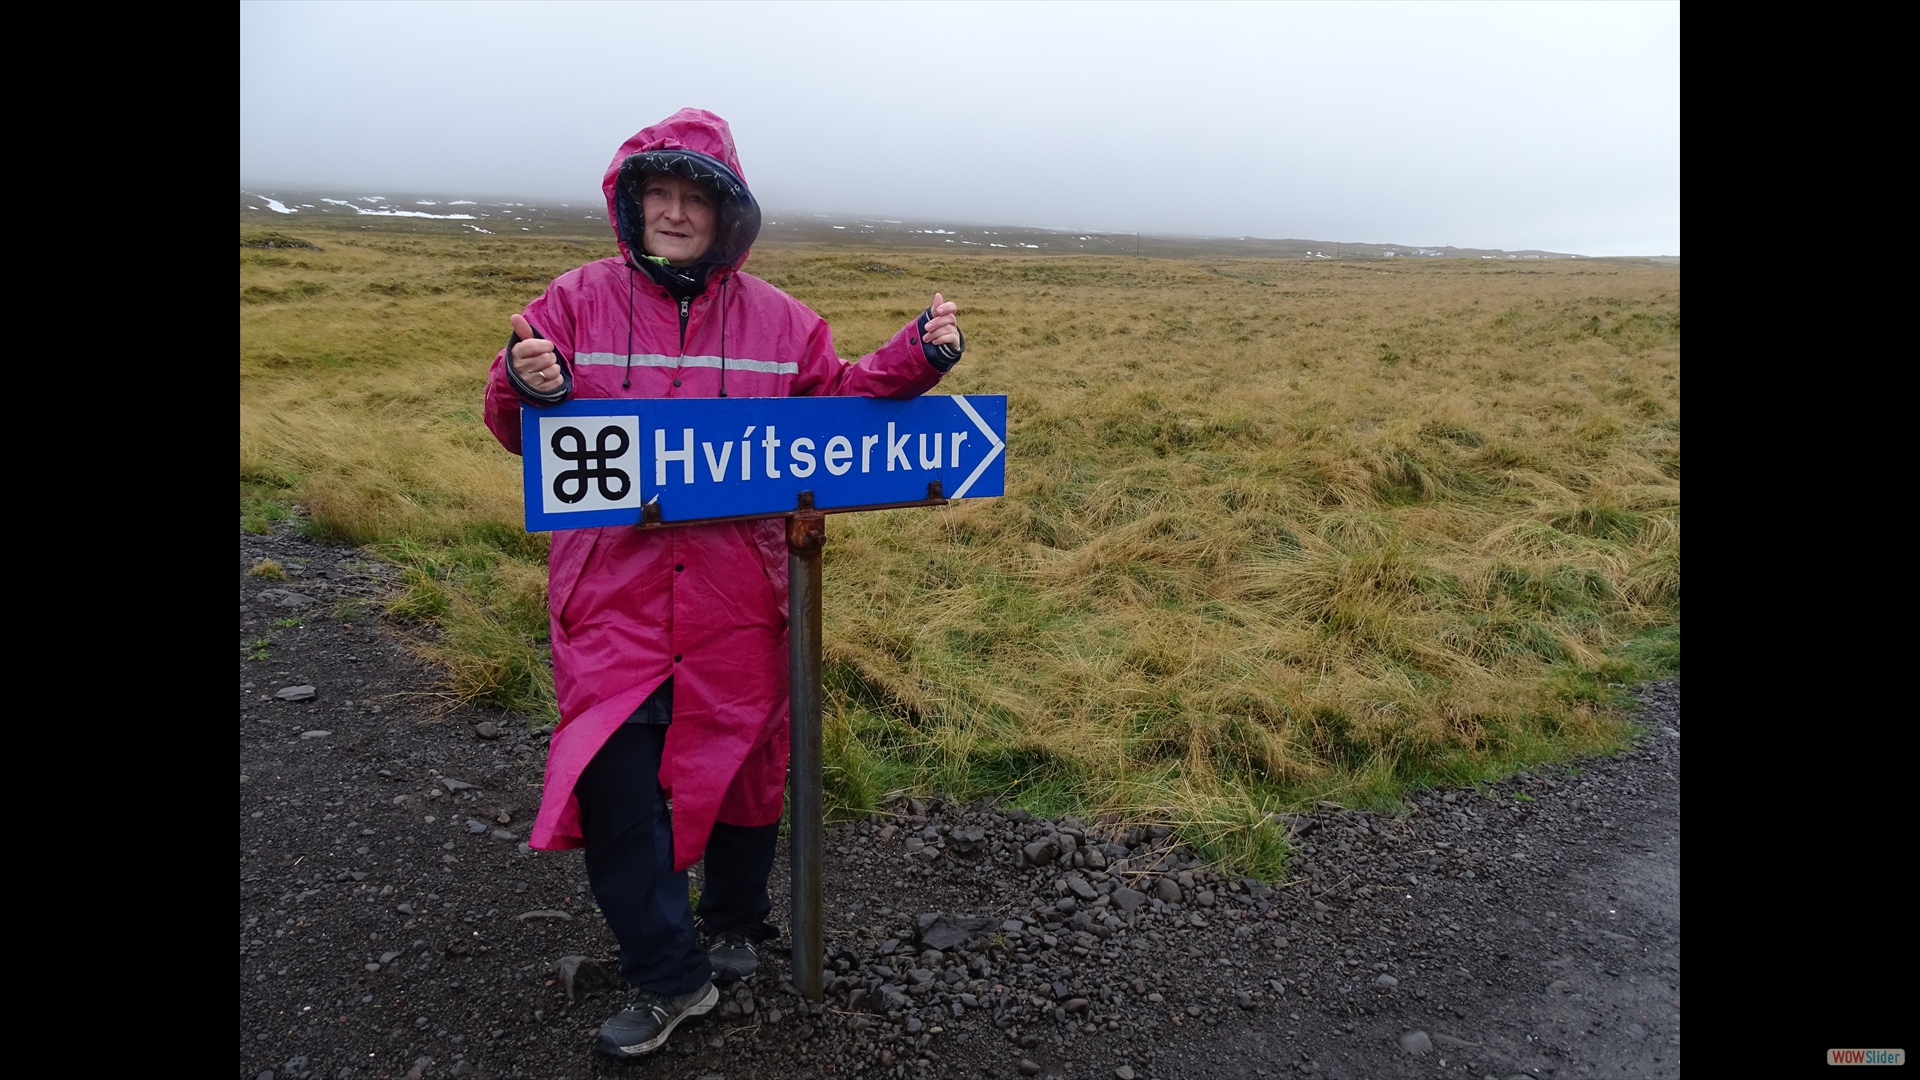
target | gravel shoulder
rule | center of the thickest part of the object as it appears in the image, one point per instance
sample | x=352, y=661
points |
x=394, y=924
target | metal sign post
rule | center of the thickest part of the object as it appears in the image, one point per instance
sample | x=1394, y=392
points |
x=659, y=463
x=806, y=841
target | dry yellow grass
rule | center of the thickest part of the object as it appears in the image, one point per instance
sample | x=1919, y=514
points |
x=1273, y=530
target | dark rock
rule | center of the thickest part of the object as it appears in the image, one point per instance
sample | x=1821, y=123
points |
x=1026, y=1067
x=1039, y=853
x=455, y=786
x=583, y=976
x=966, y=841
x=1416, y=1042
x=1127, y=900
x=286, y=598
x=1080, y=888
x=487, y=729
x=955, y=932
x=476, y=826
x=316, y=733
x=1167, y=889
x=295, y=693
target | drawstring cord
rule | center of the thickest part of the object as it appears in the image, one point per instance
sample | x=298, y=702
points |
x=723, y=335
x=627, y=383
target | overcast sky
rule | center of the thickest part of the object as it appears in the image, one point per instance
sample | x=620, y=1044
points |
x=1510, y=125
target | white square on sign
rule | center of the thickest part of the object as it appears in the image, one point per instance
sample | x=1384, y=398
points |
x=589, y=463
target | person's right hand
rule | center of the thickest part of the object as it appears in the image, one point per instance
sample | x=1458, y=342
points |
x=534, y=359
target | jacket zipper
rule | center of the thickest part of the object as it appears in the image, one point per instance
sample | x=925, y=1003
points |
x=685, y=306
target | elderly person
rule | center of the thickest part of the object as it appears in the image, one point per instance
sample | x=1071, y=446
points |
x=670, y=645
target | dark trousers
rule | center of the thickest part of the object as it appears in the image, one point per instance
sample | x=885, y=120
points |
x=628, y=829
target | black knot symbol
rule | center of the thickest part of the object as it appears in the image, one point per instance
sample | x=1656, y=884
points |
x=570, y=486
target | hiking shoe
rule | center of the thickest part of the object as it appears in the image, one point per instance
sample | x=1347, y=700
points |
x=734, y=957
x=643, y=1027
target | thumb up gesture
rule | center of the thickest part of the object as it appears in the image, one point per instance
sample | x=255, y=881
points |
x=944, y=327
x=534, y=359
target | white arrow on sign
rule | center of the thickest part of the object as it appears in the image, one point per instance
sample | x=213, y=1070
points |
x=967, y=407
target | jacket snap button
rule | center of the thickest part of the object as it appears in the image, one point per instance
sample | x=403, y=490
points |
x=676, y=658
x=676, y=382
x=677, y=567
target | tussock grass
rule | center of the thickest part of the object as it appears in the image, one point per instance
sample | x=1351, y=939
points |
x=1274, y=531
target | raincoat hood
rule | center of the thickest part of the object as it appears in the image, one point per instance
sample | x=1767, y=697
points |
x=697, y=145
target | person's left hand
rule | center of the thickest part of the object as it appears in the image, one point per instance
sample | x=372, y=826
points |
x=944, y=327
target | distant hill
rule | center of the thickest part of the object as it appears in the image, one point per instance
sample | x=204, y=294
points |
x=575, y=218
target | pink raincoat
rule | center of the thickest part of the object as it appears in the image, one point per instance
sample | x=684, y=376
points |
x=705, y=604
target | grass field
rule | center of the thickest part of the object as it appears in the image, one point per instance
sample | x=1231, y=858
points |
x=1274, y=531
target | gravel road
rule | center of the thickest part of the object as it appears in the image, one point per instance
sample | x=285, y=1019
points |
x=394, y=924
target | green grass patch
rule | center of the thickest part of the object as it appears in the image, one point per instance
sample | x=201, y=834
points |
x=1284, y=532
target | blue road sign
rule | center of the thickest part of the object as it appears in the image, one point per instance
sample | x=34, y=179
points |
x=600, y=461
